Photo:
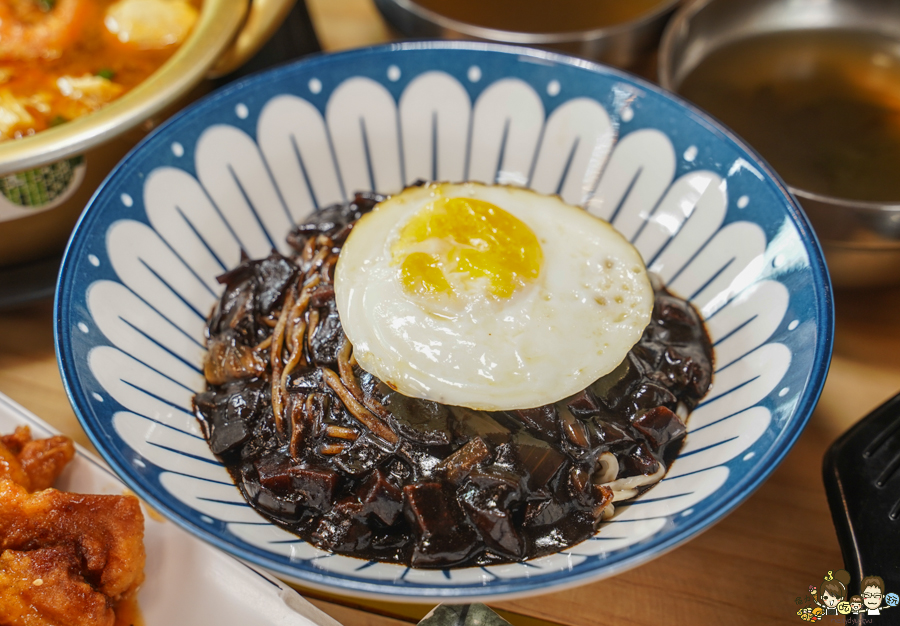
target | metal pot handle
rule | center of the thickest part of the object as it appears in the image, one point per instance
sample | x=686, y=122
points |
x=263, y=19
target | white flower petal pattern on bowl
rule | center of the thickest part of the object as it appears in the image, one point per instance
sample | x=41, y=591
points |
x=241, y=192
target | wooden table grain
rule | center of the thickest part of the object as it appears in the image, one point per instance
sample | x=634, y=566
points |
x=747, y=569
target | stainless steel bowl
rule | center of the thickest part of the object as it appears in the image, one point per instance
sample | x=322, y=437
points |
x=631, y=45
x=861, y=239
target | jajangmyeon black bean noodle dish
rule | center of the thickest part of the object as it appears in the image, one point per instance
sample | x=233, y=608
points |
x=456, y=375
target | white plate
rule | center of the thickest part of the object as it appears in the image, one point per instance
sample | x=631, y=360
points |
x=188, y=581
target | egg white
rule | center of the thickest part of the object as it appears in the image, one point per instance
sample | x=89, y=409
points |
x=573, y=324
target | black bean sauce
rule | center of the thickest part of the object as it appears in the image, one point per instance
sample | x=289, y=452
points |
x=356, y=468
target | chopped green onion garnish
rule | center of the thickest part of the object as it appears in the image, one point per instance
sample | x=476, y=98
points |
x=106, y=73
x=57, y=120
x=46, y=5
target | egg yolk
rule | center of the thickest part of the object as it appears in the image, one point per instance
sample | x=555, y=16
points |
x=453, y=238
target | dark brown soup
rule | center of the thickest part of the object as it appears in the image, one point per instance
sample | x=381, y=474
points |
x=822, y=106
x=540, y=16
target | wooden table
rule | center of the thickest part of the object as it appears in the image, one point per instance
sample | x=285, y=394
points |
x=748, y=569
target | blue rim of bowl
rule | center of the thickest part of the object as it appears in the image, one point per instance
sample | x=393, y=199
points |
x=510, y=588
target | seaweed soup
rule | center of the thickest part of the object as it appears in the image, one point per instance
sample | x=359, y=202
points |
x=821, y=105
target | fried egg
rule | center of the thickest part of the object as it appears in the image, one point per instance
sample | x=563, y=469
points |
x=489, y=297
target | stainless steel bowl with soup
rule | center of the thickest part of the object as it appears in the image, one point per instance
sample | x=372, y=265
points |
x=624, y=33
x=81, y=81
x=815, y=88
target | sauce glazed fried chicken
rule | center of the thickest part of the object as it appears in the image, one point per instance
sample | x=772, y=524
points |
x=65, y=559
x=34, y=464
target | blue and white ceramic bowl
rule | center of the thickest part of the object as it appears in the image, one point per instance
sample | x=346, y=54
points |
x=236, y=170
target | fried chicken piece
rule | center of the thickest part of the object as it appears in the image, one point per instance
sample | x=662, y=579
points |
x=44, y=459
x=106, y=533
x=34, y=464
x=65, y=559
x=17, y=440
x=11, y=467
x=43, y=588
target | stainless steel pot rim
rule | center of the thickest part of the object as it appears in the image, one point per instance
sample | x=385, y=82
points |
x=847, y=203
x=667, y=42
x=857, y=246
x=507, y=36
